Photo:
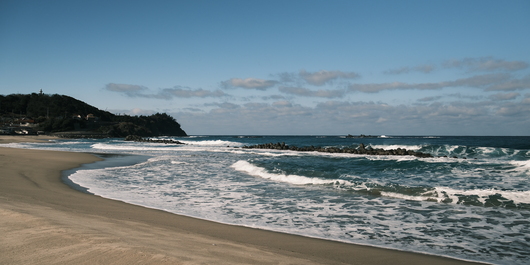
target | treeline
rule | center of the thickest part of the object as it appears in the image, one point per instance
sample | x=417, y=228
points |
x=60, y=113
x=41, y=106
x=153, y=125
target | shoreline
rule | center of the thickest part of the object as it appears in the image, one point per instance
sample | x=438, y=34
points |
x=106, y=161
x=5, y=139
x=39, y=213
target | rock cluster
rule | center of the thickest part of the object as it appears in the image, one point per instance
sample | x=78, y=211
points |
x=361, y=149
x=361, y=136
x=136, y=138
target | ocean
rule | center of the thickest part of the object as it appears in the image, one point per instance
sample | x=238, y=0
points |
x=470, y=201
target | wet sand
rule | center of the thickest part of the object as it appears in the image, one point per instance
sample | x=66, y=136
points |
x=43, y=221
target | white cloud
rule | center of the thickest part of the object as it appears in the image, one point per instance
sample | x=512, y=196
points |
x=482, y=64
x=166, y=93
x=282, y=103
x=427, y=68
x=131, y=90
x=460, y=96
x=486, y=64
x=398, y=71
x=513, y=110
x=343, y=117
x=322, y=77
x=300, y=91
x=138, y=111
x=511, y=85
x=273, y=97
x=462, y=109
x=133, y=112
x=526, y=99
x=478, y=81
x=288, y=77
x=193, y=109
x=374, y=88
x=224, y=105
x=456, y=110
x=250, y=83
x=504, y=96
x=189, y=93
x=434, y=98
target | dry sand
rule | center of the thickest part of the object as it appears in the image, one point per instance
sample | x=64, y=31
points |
x=25, y=138
x=43, y=221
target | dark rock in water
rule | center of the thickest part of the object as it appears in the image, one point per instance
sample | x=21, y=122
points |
x=361, y=136
x=361, y=150
x=136, y=138
x=422, y=155
x=361, y=147
x=375, y=192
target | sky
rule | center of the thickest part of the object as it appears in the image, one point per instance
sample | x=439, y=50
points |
x=290, y=67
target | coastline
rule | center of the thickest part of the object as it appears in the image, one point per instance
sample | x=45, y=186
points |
x=5, y=139
x=45, y=221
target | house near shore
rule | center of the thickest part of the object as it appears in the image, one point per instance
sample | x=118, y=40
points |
x=91, y=117
x=27, y=123
x=23, y=131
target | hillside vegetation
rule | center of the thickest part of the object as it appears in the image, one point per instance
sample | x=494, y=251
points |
x=30, y=113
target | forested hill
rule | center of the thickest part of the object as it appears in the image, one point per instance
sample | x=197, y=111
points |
x=60, y=113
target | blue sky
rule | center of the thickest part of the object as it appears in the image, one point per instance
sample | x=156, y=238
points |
x=281, y=67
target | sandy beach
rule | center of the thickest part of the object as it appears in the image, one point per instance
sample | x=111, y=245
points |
x=4, y=139
x=43, y=221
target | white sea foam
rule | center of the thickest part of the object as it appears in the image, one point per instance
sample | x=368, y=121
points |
x=483, y=194
x=506, y=152
x=486, y=150
x=212, y=143
x=396, y=146
x=522, y=164
x=46, y=146
x=402, y=196
x=521, y=167
x=441, y=194
x=390, y=157
x=15, y=145
x=246, y=167
x=136, y=147
x=451, y=148
x=264, y=153
x=65, y=142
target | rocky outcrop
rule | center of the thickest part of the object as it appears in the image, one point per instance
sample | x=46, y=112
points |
x=361, y=150
x=122, y=129
x=361, y=136
x=136, y=138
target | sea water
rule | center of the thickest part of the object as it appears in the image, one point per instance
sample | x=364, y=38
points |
x=470, y=201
